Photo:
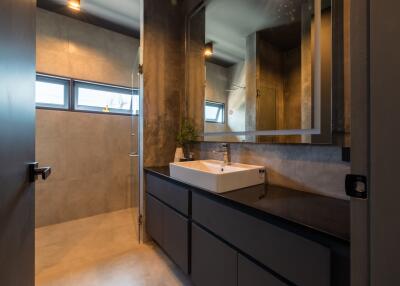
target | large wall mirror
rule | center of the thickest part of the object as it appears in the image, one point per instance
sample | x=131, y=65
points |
x=262, y=70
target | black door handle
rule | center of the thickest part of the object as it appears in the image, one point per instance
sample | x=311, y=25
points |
x=35, y=171
x=356, y=186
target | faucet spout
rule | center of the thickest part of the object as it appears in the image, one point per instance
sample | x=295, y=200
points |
x=226, y=150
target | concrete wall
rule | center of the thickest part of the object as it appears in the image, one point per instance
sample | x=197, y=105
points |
x=164, y=84
x=92, y=172
x=216, y=86
x=91, y=169
x=71, y=48
x=236, y=111
x=309, y=168
x=223, y=85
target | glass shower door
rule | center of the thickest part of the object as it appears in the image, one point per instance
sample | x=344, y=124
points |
x=134, y=153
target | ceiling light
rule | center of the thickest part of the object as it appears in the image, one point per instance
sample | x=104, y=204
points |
x=208, y=49
x=74, y=5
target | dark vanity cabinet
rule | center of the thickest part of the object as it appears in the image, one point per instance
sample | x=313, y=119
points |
x=155, y=219
x=298, y=259
x=250, y=273
x=213, y=262
x=167, y=219
x=218, y=243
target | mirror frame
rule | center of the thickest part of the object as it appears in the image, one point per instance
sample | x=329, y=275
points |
x=316, y=131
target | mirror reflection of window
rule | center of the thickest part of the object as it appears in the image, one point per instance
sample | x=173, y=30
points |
x=214, y=112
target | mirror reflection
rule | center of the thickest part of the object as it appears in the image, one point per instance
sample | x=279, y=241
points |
x=262, y=68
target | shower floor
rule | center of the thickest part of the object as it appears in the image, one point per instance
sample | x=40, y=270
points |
x=101, y=251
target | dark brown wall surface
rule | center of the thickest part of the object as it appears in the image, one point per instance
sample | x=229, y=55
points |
x=385, y=142
x=327, y=70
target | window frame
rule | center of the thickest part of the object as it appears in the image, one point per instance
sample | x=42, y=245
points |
x=221, y=107
x=71, y=93
x=58, y=80
x=102, y=87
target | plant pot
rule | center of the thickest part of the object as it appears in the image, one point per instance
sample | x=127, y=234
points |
x=179, y=154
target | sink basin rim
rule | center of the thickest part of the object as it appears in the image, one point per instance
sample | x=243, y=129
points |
x=215, y=180
x=219, y=164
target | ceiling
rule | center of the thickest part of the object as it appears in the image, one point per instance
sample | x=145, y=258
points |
x=122, y=16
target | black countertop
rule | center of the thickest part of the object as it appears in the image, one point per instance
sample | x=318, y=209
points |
x=324, y=214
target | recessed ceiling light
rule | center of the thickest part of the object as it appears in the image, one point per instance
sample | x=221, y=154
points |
x=74, y=4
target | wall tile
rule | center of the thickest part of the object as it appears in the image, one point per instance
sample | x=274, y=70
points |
x=91, y=170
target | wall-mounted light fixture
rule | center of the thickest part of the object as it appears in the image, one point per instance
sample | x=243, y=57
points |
x=74, y=4
x=209, y=49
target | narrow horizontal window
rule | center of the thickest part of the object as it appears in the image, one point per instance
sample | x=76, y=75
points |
x=214, y=112
x=105, y=98
x=52, y=92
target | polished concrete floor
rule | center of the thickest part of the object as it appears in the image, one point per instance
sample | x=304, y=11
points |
x=101, y=251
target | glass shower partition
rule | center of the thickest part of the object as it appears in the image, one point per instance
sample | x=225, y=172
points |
x=134, y=153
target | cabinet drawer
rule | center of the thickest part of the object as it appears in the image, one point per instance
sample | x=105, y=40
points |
x=250, y=274
x=172, y=194
x=213, y=262
x=154, y=219
x=176, y=233
x=299, y=260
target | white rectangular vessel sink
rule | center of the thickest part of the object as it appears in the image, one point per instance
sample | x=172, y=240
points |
x=216, y=177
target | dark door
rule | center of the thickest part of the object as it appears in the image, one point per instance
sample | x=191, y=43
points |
x=17, y=141
x=357, y=80
x=385, y=141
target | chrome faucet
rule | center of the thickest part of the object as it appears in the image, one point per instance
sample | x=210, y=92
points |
x=226, y=150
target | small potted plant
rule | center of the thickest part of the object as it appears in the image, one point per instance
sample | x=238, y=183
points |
x=187, y=134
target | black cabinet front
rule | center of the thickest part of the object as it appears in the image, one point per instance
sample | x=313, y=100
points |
x=154, y=221
x=213, y=262
x=176, y=229
x=231, y=247
x=173, y=194
x=250, y=274
x=170, y=230
x=299, y=260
